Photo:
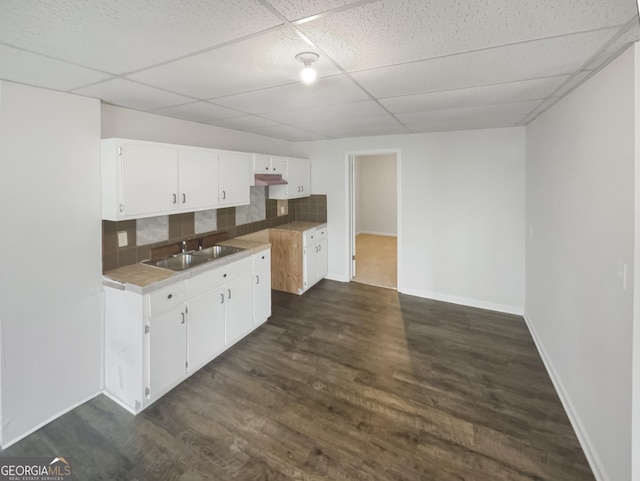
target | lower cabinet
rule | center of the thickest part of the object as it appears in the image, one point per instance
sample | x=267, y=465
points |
x=206, y=327
x=299, y=258
x=154, y=341
x=261, y=287
x=167, y=350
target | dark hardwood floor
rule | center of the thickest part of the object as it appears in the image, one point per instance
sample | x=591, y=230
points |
x=348, y=382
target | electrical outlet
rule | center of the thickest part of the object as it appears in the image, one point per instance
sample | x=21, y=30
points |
x=123, y=241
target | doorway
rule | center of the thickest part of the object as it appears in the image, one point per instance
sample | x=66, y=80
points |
x=374, y=218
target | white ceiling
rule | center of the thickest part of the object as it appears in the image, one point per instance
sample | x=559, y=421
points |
x=386, y=66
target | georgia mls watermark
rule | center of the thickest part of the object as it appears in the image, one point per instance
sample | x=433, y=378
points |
x=35, y=469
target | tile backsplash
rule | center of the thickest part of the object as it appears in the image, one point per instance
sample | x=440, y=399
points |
x=262, y=213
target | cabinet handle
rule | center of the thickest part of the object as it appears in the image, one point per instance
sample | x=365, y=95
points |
x=221, y=298
x=316, y=249
x=298, y=188
x=224, y=194
x=121, y=207
x=183, y=318
x=184, y=198
x=319, y=248
x=175, y=199
x=257, y=279
x=302, y=188
x=229, y=293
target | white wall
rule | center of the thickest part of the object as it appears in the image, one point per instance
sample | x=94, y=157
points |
x=580, y=198
x=132, y=124
x=50, y=280
x=376, y=194
x=635, y=415
x=461, y=220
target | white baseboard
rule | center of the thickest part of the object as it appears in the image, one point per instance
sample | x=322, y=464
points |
x=590, y=453
x=52, y=418
x=386, y=234
x=464, y=301
x=334, y=277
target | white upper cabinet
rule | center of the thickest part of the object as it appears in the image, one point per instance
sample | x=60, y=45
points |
x=297, y=173
x=197, y=179
x=235, y=178
x=146, y=179
x=138, y=179
x=266, y=164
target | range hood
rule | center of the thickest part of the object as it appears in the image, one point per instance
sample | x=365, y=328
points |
x=269, y=179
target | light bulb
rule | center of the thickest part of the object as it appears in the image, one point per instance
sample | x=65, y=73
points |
x=308, y=74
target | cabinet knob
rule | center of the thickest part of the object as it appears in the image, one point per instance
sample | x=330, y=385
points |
x=263, y=257
x=225, y=275
x=266, y=168
x=169, y=296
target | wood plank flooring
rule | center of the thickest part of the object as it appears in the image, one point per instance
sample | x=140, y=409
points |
x=347, y=382
x=377, y=260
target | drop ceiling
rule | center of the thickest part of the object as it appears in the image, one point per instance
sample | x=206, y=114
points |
x=386, y=66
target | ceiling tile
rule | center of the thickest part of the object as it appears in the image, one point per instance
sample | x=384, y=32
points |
x=296, y=10
x=244, y=123
x=25, y=67
x=628, y=35
x=572, y=82
x=133, y=95
x=198, y=112
x=343, y=127
x=263, y=61
x=287, y=132
x=462, y=124
x=118, y=37
x=390, y=31
x=542, y=58
x=329, y=90
x=513, y=111
x=475, y=96
x=322, y=113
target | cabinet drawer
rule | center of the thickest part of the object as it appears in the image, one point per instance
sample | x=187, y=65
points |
x=262, y=259
x=167, y=297
x=218, y=276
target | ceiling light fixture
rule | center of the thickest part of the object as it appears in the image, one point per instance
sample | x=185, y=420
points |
x=308, y=74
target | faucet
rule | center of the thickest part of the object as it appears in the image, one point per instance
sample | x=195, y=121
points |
x=184, y=246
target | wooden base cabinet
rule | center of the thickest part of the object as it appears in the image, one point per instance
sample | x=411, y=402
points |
x=299, y=259
x=154, y=341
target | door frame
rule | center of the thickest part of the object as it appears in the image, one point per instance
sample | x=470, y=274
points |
x=350, y=216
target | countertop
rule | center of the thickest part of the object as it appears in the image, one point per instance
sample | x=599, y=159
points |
x=142, y=278
x=298, y=226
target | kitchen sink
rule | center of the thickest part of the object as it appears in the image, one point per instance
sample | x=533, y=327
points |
x=187, y=260
x=216, y=252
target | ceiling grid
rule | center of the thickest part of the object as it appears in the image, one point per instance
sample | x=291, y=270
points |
x=385, y=67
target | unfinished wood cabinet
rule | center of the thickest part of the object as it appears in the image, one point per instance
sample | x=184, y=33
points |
x=295, y=258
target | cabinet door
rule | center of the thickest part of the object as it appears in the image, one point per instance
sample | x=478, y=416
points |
x=235, y=178
x=310, y=266
x=206, y=327
x=299, y=178
x=167, y=349
x=149, y=179
x=323, y=260
x=279, y=165
x=239, y=301
x=261, y=164
x=261, y=295
x=197, y=179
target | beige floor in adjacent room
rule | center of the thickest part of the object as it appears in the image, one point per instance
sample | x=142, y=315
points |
x=377, y=260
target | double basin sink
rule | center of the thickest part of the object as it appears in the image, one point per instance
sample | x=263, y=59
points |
x=187, y=260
